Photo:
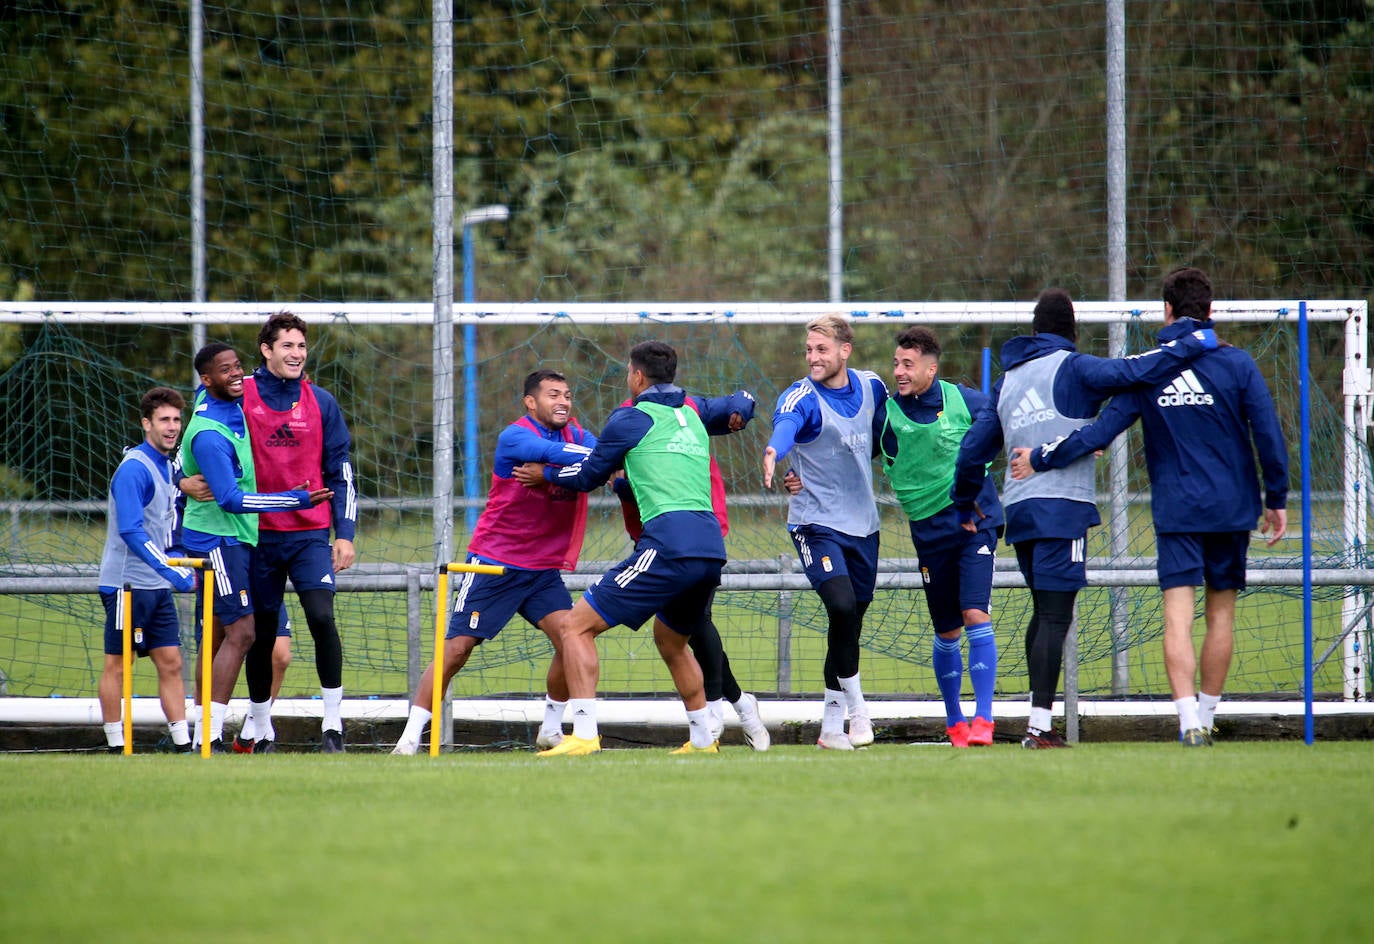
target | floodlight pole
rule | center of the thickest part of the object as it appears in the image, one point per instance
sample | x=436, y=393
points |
x=495, y=213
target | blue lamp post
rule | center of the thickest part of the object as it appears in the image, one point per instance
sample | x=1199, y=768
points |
x=496, y=213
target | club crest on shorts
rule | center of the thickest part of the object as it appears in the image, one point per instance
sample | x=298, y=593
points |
x=826, y=565
x=925, y=576
x=243, y=598
x=473, y=619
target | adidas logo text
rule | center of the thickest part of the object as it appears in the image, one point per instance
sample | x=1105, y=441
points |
x=1031, y=409
x=1186, y=390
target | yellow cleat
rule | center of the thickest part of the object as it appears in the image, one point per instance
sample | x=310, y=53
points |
x=713, y=748
x=573, y=746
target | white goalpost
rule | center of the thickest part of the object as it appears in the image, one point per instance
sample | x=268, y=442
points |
x=1347, y=644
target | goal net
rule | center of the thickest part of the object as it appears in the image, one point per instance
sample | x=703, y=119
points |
x=70, y=406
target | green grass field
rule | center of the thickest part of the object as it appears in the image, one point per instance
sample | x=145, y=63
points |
x=1104, y=843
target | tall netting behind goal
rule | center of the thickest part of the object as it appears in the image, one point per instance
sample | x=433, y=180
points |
x=69, y=407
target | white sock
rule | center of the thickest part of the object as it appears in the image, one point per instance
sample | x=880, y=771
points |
x=1041, y=719
x=747, y=707
x=1187, y=713
x=260, y=719
x=1207, y=709
x=177, y=729
x=854, y=696
x=217, y=712
x=415, y=724
x=333, y=704
x=249, y=730
x=195, y=715
x=717, y=710
x=832, y=715
x=114, y=733
x=553, y=716
x=584, y=717
x=699, y=727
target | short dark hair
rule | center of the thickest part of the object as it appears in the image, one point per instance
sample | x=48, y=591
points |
x=537, y=377
x=206, y=355
x=920, y=338
x=275, y=325
x=1189, y=292
x=1054, y=314
x=160, y=397
x=657, y=361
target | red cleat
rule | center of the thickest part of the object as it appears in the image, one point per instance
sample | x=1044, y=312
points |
x=980, y=732
x=959, y=734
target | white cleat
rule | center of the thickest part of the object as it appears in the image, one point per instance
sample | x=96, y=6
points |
x=834, y=741
x=548, y=739
x=860, y=731
x=755, y=731
x=406, y=747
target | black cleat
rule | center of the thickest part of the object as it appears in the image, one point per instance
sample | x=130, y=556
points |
x=217, y=747
x=243, y=745
x=265, y=747
x=181, y=748
x=332, y=742
x=1042, y=741
x=117, y=749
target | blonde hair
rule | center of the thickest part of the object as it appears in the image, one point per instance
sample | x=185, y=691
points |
x=832, y=326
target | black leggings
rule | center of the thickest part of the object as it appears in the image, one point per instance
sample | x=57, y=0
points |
x=1051, y=616
x=319, y=617
x=846, y=616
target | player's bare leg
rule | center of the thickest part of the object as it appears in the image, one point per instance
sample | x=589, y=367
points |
x=582, y=670
x=1180, y=663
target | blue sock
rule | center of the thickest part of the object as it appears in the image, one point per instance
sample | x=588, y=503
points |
x=948, y=663
x=982, y=666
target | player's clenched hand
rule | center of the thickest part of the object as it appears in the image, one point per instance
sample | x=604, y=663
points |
x=529, y=474
x=792, y=482
x=195, y=487
x=1021, y=467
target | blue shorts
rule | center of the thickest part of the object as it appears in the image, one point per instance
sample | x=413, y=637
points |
x=958, y=577
x=155, y=622
x=304, y=556
x=1190, y=560
x=484, y=603
x=826, y=554
x=1054, y=563
x=232, y=566
x=678, y=590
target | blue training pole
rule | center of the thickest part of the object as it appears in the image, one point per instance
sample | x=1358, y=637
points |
x=1304, y=395
x=987, y=371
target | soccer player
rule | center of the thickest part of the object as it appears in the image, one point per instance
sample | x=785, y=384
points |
x=676, y=563
x=1199, y=424
x=299, y=435
x=830, y=422
x=924, y=423
x=1050, y=390
x=721, y=416
x=534, y=533
x=138, y=532
x=217, y=446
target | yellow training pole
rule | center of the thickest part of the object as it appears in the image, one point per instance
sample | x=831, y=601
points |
x=440, y=623
x=207, y=638
x=126, y=614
